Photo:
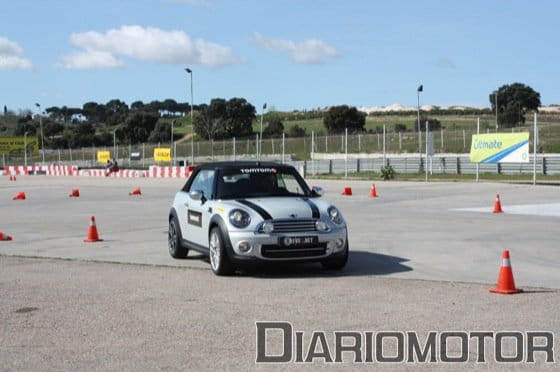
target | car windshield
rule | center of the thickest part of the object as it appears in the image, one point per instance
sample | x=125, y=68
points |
x=260, y=181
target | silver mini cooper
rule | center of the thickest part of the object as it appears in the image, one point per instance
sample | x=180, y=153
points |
x=243, y=212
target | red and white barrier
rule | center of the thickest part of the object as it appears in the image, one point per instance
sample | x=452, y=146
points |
x=170, y=172
x=122, y=173
x=72, y=170
x=50, y=170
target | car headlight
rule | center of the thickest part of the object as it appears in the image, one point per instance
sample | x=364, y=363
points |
x=321, y=226
x=239, y=218
x=335, y=215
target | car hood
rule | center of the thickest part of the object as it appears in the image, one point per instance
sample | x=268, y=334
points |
x=282, y=207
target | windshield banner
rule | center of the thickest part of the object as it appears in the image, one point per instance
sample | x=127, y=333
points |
x=500, y=148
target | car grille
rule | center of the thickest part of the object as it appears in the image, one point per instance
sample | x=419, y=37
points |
x=293, y=226
x=276, y=251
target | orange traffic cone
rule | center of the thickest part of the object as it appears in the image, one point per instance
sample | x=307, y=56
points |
x=75, y=193
x=4, y=237
x=506, y=284
x=497, y=205
x=135, y=192
x=92, y=235
x=19, y=196
x=373, y=192
x=347, y=191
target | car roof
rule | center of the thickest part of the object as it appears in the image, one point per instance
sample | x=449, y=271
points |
x=240, y=164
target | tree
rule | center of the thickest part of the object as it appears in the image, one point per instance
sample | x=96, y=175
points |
x=93, y=111
x=514, y=101
x=239, y=118
x=137, y=105
x=161, y=133
x=225, y=119
x=52, y=128
x=137, y=127
x=337, y=118
x=208, y=122
x=275, y=126
x=81, y=136
x=170, y=106
x=117, y=111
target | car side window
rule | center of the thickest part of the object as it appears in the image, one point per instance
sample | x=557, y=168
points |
x=204, y=182
x=289, y=183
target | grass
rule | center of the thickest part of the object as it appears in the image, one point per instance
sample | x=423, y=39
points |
x=488, y=177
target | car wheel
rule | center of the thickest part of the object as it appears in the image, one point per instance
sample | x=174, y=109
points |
x=338, y=262
x=176, y=248
x=219, y=260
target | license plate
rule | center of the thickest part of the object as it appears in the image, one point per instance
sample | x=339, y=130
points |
x=291, y=241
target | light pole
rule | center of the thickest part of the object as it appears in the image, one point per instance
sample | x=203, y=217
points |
x=189, y=71
x=172, y=148
x=25, y=147
x=41, y=128
x=260, y=137
x=420, y=89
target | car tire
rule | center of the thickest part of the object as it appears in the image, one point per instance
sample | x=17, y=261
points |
x=174, y=238
x=337, y=263
x=219, y=259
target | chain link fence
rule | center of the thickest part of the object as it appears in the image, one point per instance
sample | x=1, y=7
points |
x=280, y=148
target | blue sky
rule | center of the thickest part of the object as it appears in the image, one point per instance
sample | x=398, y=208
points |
x=292, y=54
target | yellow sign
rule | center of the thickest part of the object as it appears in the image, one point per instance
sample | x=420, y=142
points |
x=162, y=154
x=500, y=148
x=103, y=156
x=14, y=146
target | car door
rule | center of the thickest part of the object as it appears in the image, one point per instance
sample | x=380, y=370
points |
x=199, y=211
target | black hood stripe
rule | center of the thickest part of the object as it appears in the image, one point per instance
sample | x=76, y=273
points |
x=314, y=210
x=263, y=213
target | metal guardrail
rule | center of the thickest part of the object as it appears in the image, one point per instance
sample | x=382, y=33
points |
x=546, y=165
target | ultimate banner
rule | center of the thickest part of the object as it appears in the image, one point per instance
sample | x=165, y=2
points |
x=500, y=148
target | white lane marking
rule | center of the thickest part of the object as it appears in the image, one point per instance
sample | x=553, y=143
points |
x=552, y=209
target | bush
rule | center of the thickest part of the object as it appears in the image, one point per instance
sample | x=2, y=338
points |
x=387, y=173
x=400, y=128
x=296, y=131
x=275, y=127
x=435, y=124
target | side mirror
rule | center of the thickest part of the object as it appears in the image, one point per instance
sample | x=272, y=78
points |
x=318, y=191
x=196, y=194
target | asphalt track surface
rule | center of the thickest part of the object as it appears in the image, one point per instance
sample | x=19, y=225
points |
x=151, y=311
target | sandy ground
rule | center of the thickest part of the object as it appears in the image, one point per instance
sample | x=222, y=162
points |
x=68, y=315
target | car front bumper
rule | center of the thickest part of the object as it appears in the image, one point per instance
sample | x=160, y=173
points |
x=270, y=247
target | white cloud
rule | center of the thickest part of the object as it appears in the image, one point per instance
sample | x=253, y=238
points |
x=90, y=59
x=310, y=51
x=147, y=44
x=11, y=56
